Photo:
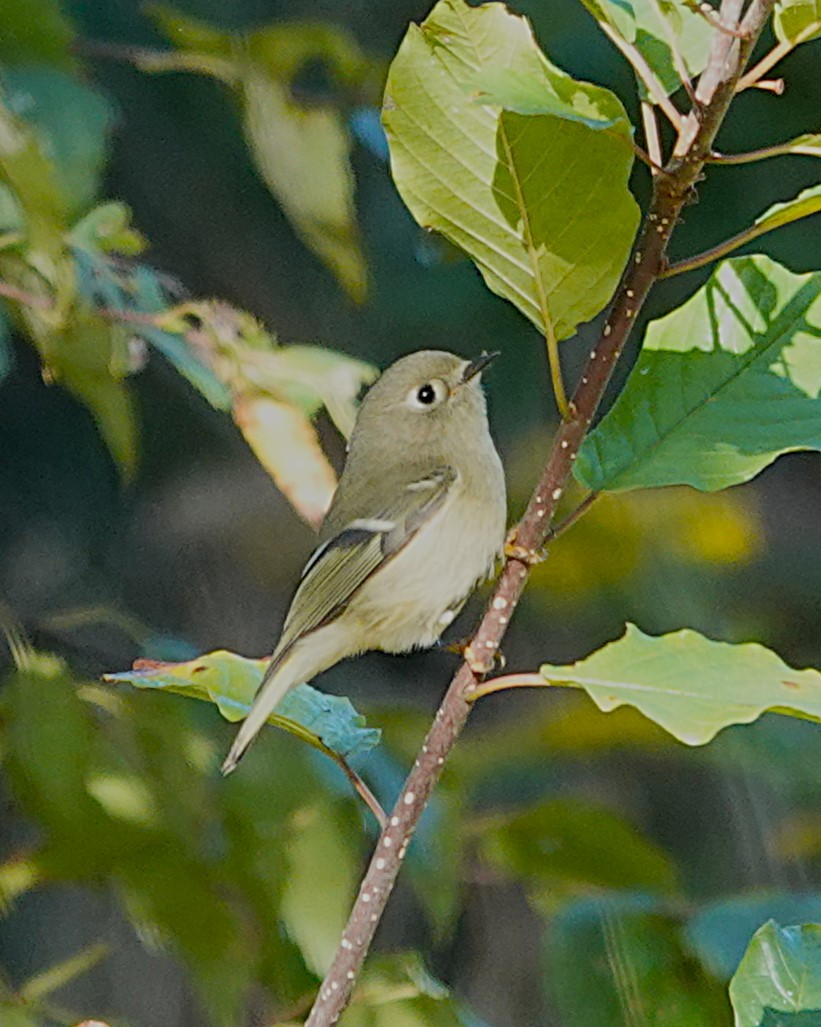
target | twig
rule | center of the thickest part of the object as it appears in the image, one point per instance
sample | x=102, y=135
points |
x=360, y=787
x=669, y=196
x=501, y=684
x=770, y=85
x=778, y=53
x=678, y=60
x=654, y=87
x=28, y=299
x=709, y=15
x=570, y=520
x=720, y=250
x=651, y=134
x=776, y=150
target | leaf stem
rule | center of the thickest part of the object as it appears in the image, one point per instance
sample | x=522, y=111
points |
x=670, y=193
x=530, y=680
x=778, y=53
x=776, y=150
x=650, y=125
x=657, y=92
x=570, y=520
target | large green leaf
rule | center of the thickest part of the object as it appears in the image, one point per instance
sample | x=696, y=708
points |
x=690, y=685
x=618, y=961
x=512, y=160
x=797, y=21
x=778, y=983
x=723, y=385
x=230, y=682
x=563, y=847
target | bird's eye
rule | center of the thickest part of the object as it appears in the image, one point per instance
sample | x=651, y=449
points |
x=428, y=395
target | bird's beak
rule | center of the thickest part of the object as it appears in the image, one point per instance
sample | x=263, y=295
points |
x=477, y=366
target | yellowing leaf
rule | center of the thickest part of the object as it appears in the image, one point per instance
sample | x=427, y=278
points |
x=286, y=444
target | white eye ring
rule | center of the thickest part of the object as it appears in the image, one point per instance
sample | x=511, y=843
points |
x=428, y=395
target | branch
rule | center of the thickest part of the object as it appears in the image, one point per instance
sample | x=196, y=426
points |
x=645, y=73
x=671, y=191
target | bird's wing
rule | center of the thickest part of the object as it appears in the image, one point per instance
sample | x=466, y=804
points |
x=345, y=561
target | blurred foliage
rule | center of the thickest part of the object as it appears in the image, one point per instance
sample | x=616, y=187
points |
x=574, y=867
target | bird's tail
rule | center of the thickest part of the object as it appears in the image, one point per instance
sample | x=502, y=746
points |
x=280, y=675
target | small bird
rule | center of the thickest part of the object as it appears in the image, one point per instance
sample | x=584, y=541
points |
x=417, y=520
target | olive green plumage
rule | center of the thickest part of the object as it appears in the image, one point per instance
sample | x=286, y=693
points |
x=418, y=519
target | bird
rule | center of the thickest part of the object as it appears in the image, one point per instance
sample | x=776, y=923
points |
x=417, y=521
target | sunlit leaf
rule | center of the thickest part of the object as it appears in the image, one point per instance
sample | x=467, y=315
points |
x=618, y=960
x=779, y=974
x=562, y=847
x=286, y=444
x=724, y=384
x=720, y=932
x=320, y=883
x=230, y=681
x=653, y=28
x=512, y=160
x=797, y=21
x=807, y=203
x=690, y=685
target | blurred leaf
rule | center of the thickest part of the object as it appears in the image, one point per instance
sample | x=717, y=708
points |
x=471, y=108
x=720, y=932
x=321, y=881
x=11, y=1015
x=302, y=151
x=230, y=681
x=780, y=973
x=653, y=27
x=180, y=897
x=690, y=685
x=286, y=444
x=311, y=377
x=44, y=983
x=107, y=228
x=797, y=21
x=303, y=155
x=17, y=876
x=564, y=847
x=49, y=749
x=397, y=991
x=71, y=121
x=617, y=961
x=36, y=32
x=723, y=385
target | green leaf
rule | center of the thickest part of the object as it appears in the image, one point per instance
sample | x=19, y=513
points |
x=617, y=961
x=564, y=847
x=320, y=882
x=690, y=685
x=779, y=974
x=230, y=681
x=723, y=385
x=720, y=933
x=11, y=1015
x=550, y=235
x=653, y=27
x=804, y=205
x=797, y=21
x=302, y=152
x=397, y=991
x=71, y=121
x=36, y=32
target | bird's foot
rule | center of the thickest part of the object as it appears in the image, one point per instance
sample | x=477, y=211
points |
x=515, y=551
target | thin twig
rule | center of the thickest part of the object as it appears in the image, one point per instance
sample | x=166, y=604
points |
x=709, y=15
x=650, y=125
x=570, y=520
x=656, y=90
x=776, y=150
x=669, y=196
x=27, y=299
x=529, y=680
x=360, y=787
x=778, y=53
